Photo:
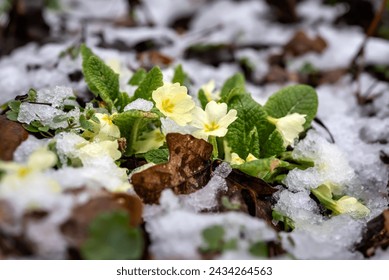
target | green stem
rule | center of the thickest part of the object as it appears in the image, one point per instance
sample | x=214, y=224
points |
x=134, y=133
x=213, y=141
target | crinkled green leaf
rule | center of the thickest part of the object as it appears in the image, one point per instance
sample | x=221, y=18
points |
x=243, y=134
x=157, y=156
x=300, y=99
x=180, y=76
x=151, y=82
x=86, y=53
x=271, y=144
x=236, y=81
x=138, y=77
x=112, y=238
x=105, y=80
x=131, y=123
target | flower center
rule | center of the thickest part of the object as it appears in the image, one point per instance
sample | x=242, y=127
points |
x=23, y=171
x=107, y=119
x=211, y=127
x=167, y=105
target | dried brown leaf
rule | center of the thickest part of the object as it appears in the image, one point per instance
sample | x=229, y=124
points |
x=376, y=235
x=11, y=136
x=301, y=44
x=188, y=169
x=76, y=227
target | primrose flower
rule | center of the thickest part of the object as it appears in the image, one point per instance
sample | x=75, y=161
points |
x=352, y=206
x=237, y=160
x=107, y=131
x=174, y=102
x=26, y=185
x=209, y=91
x=89, y=152
x=289, y=127
x=344, y=205
x=151, y=140
x=213, y=121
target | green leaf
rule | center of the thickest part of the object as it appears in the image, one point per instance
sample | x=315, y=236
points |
x=138, y=77
x=273, y=144
x=213, y=237
x=180, y=76
x=30, y=128
x=105, y=80
x=262, y=168
x=243, y=134
x=130, y=124
x=151, y=82
x=87, y=125
x=202, y=98
x=157, y=156
x=12, y=116
x=236, y=81
x=279, y=217
x=14, y=105
x=299, y=99
x=87, y=53
x=259, y=249
x=112, y=238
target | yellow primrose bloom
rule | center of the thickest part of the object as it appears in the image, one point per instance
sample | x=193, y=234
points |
x=39, y=160
x=26, y=182
x=236, y=159
x=174, y=102
x=209, y=91
x=89, y=152
x=352, y=206
x=151, y=140
x=250, y=157
x=105, y=130
x=289, y=127
x=213, y=121
x=108, y=130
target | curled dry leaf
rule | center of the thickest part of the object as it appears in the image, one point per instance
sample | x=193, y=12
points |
x=76, y=227
x=376, y=235
x=253, y=194
x=301, y=44
x=11, y=136
x=188, y=169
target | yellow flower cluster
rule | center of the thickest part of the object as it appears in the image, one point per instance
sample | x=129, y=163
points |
x=173, y=101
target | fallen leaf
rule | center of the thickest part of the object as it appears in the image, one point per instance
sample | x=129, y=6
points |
x=148, y=59
x=252, y=194
x=375, y=235
x=188, y=169
x=11, y=136
x=301, y=44
x=76, y=227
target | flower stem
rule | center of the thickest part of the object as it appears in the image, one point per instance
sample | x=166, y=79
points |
x=213, y=141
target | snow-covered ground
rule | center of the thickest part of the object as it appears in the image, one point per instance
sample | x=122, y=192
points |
x=361, y=133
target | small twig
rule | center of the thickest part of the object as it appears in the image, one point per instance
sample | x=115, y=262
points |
x=357, y=63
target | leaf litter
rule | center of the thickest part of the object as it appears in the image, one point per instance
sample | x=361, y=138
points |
x=198, y=196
